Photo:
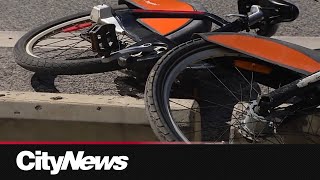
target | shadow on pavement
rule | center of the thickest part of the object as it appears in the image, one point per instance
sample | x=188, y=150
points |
x=130, y=86
x=126, y=86
x=44, y=83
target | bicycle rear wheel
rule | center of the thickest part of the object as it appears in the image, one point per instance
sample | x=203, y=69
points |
x=58, y=48
x=199, y=92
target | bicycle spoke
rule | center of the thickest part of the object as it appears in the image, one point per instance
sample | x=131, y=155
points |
x=54, y=42
x=87, y=50
x=217, y=105
x=251, y=85
x=61, y=48
x=69, y=48
x=245, y=79
x=223, y=84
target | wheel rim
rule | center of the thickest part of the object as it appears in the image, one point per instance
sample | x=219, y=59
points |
x=227, y=130
x=63, y=40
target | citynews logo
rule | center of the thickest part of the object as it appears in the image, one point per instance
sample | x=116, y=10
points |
x=27, y=160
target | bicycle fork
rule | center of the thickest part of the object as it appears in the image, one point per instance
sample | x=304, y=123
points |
x=261, y=117
x=281, y=95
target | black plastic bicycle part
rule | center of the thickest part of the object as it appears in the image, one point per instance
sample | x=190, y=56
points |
x=276, y=11
x=103, y=38
x=303, y=87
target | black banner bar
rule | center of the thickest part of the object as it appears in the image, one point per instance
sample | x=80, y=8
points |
x=159, y=160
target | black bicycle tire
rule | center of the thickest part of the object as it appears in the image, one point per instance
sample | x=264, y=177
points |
x=160, y=125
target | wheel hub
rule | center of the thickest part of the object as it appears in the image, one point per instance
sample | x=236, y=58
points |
x=253, y=126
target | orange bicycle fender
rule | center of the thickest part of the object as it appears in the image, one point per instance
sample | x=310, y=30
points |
x=271, y=50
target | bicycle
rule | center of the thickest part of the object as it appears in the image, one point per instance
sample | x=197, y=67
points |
x=132, y=36
x=235, y=88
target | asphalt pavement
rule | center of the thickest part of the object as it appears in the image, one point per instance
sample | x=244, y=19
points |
x=17, y=15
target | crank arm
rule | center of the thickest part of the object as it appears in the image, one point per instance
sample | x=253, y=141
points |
x=148, y=47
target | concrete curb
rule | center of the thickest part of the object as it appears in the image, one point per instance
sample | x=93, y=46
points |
x=71, y=107
x=48, y=116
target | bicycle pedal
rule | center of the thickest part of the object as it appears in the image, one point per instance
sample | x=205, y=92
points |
x=103, y=39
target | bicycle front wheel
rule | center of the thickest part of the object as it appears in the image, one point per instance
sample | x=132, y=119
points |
x=199, y=92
